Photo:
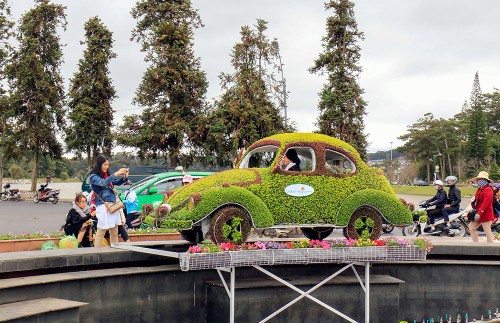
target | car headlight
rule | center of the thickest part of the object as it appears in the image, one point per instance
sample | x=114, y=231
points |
x=193, y=200
x=191, y=203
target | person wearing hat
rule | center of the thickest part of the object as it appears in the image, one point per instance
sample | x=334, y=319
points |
x=439, y=200
x=187, y=179
x=483, y=204
x=291, y=161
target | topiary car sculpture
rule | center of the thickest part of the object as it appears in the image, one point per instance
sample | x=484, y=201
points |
x=334, y=188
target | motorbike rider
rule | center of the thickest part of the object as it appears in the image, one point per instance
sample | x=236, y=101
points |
x=439, y=200
x=454, y=199
x=45, y=187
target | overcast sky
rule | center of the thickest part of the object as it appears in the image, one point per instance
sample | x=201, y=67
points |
x=417, y=56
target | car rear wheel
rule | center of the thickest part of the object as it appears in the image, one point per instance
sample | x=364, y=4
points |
x=225, y=226
x=317, y=233
x=364, y=219
x=194, y=235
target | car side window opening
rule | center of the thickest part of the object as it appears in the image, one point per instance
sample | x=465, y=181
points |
x=307, y=158
x=337, y=163
x=260, y=157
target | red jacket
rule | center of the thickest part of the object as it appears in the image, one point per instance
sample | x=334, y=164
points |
x=485, y=207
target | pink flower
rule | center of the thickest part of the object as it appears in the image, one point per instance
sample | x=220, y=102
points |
x=194, y=249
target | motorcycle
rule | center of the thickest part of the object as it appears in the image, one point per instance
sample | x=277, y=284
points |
x=50, y=196
x=459, y=227
x=10, y=194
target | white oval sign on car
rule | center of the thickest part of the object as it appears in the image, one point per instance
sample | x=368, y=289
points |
x=299, y=190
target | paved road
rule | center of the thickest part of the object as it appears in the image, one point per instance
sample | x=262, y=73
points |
x=26, y=216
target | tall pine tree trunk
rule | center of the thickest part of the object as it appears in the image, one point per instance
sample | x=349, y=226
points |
x=89, y=158
x=34, y=176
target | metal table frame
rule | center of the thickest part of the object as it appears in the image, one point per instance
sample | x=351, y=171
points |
x=231, y=288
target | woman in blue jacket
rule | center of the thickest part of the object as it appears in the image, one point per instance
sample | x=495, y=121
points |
x=102, y=183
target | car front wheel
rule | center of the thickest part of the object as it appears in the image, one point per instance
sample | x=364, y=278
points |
x=230, y=224
x=364, y=219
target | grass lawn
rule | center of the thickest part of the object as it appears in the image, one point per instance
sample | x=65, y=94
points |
x=430, y=190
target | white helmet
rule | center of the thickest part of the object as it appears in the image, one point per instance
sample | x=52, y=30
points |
x=451, y=178
x=438, y=182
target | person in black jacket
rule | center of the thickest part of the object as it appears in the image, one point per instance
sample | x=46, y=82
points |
x=439, y=200
x=454, y=199
x=291, y=161
x=79, y=221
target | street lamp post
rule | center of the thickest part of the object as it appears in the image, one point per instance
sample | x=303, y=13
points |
x=436, y=166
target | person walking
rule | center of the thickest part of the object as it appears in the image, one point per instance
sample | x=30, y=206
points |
x=102, y=183
x=483, y=204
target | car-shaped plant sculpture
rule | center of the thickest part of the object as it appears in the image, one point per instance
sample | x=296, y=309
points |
x=329, y=187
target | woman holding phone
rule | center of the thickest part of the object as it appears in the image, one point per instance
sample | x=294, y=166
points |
x=102, y=183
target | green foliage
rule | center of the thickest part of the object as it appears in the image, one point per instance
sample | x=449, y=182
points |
x=250, y=107
x=16, y=172
x=7, y=142
x=211, y=199
x=63, y=176
x=341, y=105
x=176, y=224
x=90, y=95
x=173, y=87
x=36, y=81
x=232, y=231
x=388, y=204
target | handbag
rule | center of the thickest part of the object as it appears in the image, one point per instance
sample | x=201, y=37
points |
x=472, y=215
x=112, y=206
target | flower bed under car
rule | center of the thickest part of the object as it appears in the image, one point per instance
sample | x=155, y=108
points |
x=209, y=255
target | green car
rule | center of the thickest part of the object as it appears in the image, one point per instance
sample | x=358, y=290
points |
x=330, y=188
x=152, y=188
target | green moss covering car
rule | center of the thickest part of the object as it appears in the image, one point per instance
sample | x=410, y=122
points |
x=333, y=189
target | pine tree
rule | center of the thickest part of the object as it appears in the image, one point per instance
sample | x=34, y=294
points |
x=90, y=95
x=6, y=31
x=476, y=135
x=34, y=75
x=249, y=109
x=173, y=88
x=341, y=105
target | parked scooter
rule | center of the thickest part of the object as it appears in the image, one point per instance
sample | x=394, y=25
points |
x=50, y=196
x=10, y=193
x=458, y=227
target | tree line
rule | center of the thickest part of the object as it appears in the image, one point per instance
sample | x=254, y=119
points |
x=462, y=145
x=39, y=121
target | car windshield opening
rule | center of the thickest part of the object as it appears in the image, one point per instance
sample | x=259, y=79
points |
x=261, y=157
